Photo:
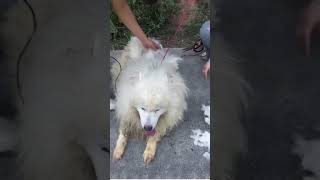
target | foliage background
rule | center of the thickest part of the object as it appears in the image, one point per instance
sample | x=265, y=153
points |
x=155, y=17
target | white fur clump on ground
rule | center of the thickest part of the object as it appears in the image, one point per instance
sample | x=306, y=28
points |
x=202, y=138
x=112, y=104
x=206, y=110
x=206, y=155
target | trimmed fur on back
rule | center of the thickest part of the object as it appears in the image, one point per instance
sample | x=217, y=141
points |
x=145, y=79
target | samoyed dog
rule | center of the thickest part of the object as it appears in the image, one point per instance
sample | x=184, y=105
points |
x=150, y=96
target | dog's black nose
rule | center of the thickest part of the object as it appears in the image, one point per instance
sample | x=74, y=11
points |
x=147, y=128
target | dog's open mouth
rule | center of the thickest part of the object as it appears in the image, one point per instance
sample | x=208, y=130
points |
x=150, y=133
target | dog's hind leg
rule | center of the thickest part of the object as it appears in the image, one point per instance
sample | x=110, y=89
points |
x=120, y=146
x=150, y=150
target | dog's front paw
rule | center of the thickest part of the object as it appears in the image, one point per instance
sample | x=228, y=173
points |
x=148, y=156
x=117, y=154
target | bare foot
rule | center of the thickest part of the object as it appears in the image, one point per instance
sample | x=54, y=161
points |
x=206, y=69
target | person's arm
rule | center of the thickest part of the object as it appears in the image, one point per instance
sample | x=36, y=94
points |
x=123, y=11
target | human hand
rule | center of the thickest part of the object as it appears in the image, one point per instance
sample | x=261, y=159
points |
x=206, y=69
x=310, y=21
x=150, y=44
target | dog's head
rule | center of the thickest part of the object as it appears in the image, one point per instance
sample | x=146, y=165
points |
x=151, y=101
x=149, y=116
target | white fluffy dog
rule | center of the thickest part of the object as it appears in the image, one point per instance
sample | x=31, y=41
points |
x=150, y=96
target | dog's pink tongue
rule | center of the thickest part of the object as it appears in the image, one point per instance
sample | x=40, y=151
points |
x=150, y=133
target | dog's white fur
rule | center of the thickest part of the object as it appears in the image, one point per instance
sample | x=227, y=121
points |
x=146, y=82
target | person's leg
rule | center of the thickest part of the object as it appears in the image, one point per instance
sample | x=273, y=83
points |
x=205, y=34
x=205, y=38
x=231, y=99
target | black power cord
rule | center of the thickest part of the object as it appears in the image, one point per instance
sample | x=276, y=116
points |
x=24, y=49
x=115, y=82
x=105, y=149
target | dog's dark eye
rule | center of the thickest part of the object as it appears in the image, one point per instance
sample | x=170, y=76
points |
x=156, y=110
x=143, y=109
